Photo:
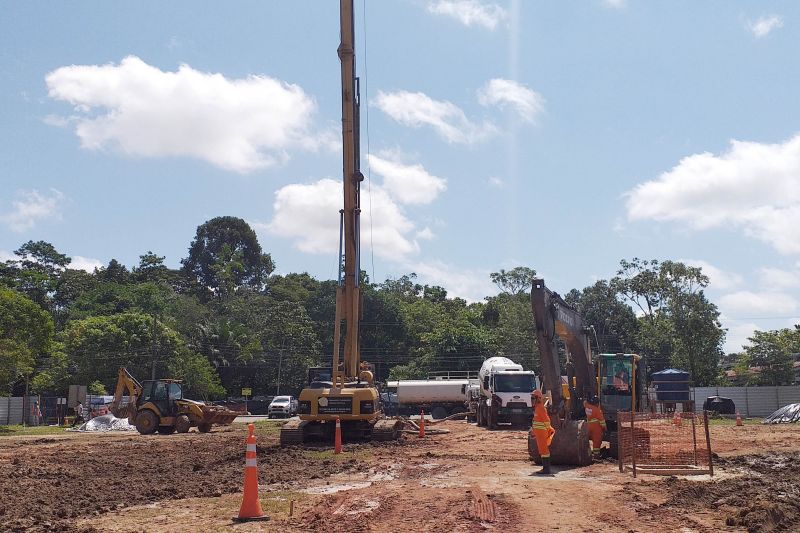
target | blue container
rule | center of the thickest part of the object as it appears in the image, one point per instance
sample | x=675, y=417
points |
x=671, y=385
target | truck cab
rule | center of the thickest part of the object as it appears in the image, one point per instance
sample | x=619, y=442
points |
x=505, y=393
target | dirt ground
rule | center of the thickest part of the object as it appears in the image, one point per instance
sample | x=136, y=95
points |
x=466, y=480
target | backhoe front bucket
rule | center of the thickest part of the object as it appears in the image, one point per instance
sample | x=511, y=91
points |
x=570, y=445
x=217, y=415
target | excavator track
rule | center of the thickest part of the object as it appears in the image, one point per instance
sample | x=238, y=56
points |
x=292, y=432
x=387, y=429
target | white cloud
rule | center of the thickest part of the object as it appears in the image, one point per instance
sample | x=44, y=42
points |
x=753, y=186
x=495, y=181
x=470, y=12
x=471, y=285
x=755, y=305
x=509, y=93
x=447, y=119
x=425, y=234
x=236, y=124
x=85, y=263
x=409, y=184
x=7, y=256
x=614, y=4
x=309, y=214
x=777, y=279
x=762, y=26
x=736, y=336
x=31, y=207
x=718, y=279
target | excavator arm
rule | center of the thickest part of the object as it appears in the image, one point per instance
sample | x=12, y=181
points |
x=126, y=383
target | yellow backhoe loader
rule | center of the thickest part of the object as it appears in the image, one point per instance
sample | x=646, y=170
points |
x=159, y=405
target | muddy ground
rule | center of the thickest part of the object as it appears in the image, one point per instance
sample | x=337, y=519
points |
x=466, y=480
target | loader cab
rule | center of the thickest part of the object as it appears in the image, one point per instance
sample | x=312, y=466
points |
x=162, y=393
x=618, y=382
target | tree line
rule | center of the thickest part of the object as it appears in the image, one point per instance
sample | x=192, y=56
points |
x=224, y=320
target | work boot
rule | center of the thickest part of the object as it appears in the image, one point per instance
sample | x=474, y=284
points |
x=545, y=471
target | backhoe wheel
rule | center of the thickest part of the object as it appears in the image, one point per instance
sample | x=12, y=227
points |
x=204, y=428
x=146, y=422
x=166, y=430
x=182, y=423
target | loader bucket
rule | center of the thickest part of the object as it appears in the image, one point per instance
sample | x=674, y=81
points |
x=570, y=445
x=218, y=415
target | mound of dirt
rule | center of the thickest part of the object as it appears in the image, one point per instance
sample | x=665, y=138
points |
x=55, y=484
x=765, y=498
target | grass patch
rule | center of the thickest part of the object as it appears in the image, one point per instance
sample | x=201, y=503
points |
x=13, y=431
x=277, y=502
x=268, y=427
x=732, y=421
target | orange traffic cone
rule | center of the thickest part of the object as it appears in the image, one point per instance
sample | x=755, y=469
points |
x=676, y=419
x=421, y=423
x=738, y=419
x=251, y=506
x=337, y=438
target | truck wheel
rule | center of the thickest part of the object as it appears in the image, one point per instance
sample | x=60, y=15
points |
x=438, y=413
x=166, y=430
x=204, y=428
x=182, y=423
x=146, y=422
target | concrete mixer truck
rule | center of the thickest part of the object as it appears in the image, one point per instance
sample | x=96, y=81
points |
x=504, y=394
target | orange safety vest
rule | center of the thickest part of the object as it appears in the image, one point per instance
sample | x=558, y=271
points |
x=542, y=430
x=594, y=414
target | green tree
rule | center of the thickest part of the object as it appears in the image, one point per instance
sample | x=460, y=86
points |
x=36, y=272
x=225, y=255
x=614, y=322
x=25, y=337
x=772, y=352
x=515, y=281
x=200, y=381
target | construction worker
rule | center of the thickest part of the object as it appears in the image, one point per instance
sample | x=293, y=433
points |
x=597, y=422
x=542, y=430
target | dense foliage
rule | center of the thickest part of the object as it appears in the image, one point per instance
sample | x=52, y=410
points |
x=223, y=321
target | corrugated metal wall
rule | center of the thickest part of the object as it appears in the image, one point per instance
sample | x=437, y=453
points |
x=751, y=401
x=12, y=409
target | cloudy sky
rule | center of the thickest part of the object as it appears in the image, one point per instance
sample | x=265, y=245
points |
x=563, y=136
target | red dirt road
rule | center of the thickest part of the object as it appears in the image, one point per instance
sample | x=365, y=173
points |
x=469, y=479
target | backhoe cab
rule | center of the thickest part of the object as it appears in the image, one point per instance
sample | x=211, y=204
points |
x=159, y=405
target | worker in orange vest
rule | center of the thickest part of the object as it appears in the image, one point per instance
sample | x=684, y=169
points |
x=597, y=422
x=542, y=430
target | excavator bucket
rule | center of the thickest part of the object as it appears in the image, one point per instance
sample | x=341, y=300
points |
x=570, y=445
x=217, y=415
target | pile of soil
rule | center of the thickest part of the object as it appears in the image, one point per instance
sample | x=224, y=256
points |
x=52, y=483
x=765, y=498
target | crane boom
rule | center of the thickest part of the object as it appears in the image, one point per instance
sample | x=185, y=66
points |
x=348, y=296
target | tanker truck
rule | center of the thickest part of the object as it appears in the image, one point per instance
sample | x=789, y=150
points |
x=438, y=397
x=504, y=394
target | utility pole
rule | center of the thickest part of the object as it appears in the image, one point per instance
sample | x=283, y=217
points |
x=153, y=370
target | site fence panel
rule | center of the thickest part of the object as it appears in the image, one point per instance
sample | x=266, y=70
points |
x=751, y=401
x=664, y=443
x=11, y=410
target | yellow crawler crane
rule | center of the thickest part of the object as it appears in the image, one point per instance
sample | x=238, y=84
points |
x=346, y=389
x=159, y=405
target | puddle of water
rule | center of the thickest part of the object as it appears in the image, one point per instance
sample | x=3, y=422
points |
x=333, y=489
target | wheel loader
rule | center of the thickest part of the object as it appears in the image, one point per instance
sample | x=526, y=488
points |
x=159, y=405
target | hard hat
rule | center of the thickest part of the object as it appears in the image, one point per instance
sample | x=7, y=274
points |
x=537, y=393
x=594, y=400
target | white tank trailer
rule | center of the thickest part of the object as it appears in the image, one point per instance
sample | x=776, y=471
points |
x=438, y=397
x=505, y=393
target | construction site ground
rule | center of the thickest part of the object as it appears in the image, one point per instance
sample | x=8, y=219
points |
x=468, y=479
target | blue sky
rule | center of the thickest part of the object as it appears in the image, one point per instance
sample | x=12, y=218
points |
x=563, y=136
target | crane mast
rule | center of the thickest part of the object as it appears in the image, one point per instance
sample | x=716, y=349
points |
x=348, y=294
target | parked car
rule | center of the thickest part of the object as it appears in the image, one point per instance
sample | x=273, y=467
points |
x=282, y=407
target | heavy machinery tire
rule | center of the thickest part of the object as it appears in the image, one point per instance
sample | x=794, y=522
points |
x=204, y=428
x=166, y=430
x=146, y=422
x=438, y=413
x=182, y=423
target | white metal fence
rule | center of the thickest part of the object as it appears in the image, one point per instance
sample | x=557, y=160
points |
x=13, y=409
x=751, y=401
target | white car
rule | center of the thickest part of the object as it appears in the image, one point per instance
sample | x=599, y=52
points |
x=282, y=407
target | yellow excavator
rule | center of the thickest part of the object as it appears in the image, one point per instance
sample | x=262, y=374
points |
x=346, y=390
x=159, y=405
